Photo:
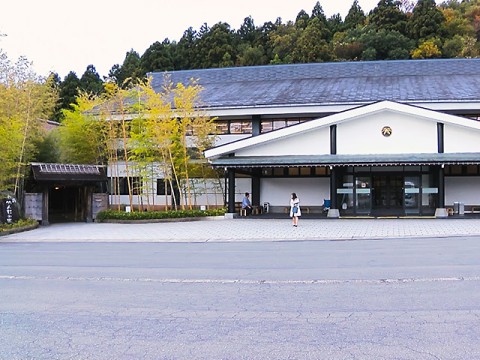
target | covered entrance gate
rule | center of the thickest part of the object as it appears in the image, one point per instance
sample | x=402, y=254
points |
x=66, y=192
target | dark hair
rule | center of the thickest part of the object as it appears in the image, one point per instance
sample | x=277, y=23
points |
x=246, y=194
x=294, y=196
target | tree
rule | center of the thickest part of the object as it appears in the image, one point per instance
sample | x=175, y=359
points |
x=186, y=50
x=69, y=91
x=318, y=13
x=302, y=20
x=388, y=16
x=159, y=57
x=283, y=42
x=129, y=71
x=427, y=50
x=250, y=56
x=248, y=33
x=90, y=81
x=311, y=45
x=217, y=47
x=355, y=17
x=81, y=134
x=25, y=101
x=385, y=45
x=426, y=21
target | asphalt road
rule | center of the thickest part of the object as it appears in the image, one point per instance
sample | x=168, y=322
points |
x=367, y=299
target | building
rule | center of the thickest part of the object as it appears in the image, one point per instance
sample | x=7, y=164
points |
x=372, y=138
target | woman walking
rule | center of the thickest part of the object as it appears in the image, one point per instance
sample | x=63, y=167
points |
x=295, y=209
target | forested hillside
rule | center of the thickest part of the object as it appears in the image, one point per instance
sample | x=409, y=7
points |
x=394, y=29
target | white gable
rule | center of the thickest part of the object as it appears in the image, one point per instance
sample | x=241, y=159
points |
x=359, y=131
x=409, y=134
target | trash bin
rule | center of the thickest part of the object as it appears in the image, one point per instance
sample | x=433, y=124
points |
x=266, y=207
x=456, y=206
x=461, y=208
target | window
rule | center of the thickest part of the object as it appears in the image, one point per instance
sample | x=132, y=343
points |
x=222, y=127
x=119, y=185
x=163, y=188
x=240, y=127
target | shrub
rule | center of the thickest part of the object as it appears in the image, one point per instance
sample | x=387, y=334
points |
x=154, y=215
x=17, y=225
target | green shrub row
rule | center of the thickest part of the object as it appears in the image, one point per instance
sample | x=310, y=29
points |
x=19, y=224
x=151, y=215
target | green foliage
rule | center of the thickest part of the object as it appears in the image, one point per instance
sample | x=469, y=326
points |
x=25, y=100
x=387, y=16
x=355, y=17
x=155, y=215
x=426, y=21
x=90, y=81
x=383, y=45
x=130, y=70
x=69, y=90
x=19, y=225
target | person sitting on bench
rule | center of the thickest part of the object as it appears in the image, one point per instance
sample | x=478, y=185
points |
x=246, y=204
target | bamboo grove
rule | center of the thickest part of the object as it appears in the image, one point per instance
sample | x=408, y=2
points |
x=145, y=132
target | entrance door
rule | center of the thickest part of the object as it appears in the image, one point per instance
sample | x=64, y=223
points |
x=387, y=195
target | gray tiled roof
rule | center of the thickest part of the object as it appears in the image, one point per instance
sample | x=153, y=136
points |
x=347, y=160
x=335, y=83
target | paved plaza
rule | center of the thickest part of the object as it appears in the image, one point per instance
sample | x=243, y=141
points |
x=250, y=229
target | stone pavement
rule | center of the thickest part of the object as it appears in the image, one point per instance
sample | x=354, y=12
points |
x=249, y=229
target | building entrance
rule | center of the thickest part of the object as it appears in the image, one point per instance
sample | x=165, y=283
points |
x=387, y=195
x=387, y=191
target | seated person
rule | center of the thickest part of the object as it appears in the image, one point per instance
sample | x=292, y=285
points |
x=246, y=204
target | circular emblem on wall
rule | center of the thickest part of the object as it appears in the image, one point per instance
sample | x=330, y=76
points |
x=386, y=131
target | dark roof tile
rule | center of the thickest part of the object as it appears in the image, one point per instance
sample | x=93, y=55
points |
x=335, y=83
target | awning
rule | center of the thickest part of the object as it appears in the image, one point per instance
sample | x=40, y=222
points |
x=68, y=172
x=347, y=160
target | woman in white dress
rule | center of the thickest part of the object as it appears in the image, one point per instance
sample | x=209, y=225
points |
x=295, y=212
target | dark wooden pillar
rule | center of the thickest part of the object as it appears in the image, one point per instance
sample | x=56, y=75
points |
x=256, y=125
x=441, y=187
x=256, y=189
x=333, y=139
x=333, y=187
x=231, y=190
x=88, y=204
x=440, y=138
x=45, y=205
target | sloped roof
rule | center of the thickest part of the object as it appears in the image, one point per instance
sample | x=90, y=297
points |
x=348, y=160
x=68, y=172
x=439, y=80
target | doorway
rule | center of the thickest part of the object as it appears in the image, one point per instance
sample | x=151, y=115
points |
x=65, y=204
x=387, y=195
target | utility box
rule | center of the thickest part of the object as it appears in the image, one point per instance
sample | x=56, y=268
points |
x=266, y=207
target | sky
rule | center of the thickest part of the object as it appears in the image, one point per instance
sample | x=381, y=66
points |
x=63, y=35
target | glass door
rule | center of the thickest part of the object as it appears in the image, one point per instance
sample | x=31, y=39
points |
x=387, y=194
x=363, y=195
x=411, y=198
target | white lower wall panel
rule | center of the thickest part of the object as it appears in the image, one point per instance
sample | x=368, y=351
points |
x=310, y=191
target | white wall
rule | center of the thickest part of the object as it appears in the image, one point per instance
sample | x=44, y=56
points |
x=310, y=191
x=462, y=189
x=410, y=134
x=461, y=139
x=316, y=142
